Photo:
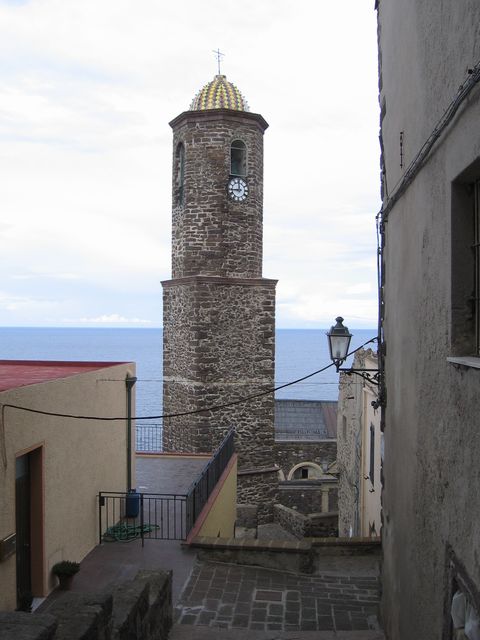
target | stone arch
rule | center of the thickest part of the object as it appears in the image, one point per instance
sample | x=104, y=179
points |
x=312, y=465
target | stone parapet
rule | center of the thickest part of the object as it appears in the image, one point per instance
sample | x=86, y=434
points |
x=24, y=626
x=272, y=554
x=140, y=609
x=306, y=526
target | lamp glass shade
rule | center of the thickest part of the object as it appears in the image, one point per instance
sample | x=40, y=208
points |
x=339, y=341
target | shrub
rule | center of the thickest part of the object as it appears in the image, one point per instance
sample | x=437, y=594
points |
x=65, y=568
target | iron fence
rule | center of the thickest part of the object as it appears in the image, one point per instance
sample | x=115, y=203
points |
x=302, y=434
x=201, y=489
x=148, y=437
x=123, y=517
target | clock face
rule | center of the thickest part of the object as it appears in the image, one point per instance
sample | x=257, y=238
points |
x=237, y=189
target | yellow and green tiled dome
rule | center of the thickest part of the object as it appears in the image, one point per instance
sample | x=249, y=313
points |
x=219, y=94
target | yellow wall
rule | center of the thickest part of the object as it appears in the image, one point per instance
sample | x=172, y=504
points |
x=221, y=516
x=80, y=458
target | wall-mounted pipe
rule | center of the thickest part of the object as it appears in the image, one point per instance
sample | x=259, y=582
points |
x=129, y=383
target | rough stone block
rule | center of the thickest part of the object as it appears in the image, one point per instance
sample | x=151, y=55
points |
x=25, y=626
x=83, y=616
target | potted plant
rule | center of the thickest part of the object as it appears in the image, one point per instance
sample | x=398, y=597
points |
x=65, y=570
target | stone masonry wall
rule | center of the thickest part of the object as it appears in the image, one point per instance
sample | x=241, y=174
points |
x=307, y=499
x=259, y=488
x=289, y=454
x=219, y=343
x=219, y=313
x=139, y=609
x=211, y=235
x=303, y=526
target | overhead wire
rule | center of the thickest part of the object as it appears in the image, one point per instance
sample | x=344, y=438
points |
x=392, y=197
x=421, y=156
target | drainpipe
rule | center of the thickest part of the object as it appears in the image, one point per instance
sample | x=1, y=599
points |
x=129, y=383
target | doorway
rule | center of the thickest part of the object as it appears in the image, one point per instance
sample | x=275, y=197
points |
x=29, y=527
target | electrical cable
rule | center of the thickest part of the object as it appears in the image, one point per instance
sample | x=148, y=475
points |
x=213, y=408
x=419, y=160
x=397, y=192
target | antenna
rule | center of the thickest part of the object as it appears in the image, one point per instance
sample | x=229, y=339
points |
x=219, y=56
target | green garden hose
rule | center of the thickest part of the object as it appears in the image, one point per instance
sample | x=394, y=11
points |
x=124, y=532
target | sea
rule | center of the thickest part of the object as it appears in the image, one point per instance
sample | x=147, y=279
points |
x=299, y=352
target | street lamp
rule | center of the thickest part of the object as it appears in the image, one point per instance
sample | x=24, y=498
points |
x=339, y=341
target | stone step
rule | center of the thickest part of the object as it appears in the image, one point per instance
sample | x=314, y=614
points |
x=199, y=632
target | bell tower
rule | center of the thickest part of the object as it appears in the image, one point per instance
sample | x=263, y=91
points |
x=218, y=310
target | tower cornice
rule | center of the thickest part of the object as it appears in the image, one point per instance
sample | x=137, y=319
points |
x=220, y=115
x=219, y=280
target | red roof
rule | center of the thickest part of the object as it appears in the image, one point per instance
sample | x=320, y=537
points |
x=20, y=373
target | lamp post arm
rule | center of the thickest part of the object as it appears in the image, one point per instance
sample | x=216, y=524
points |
x=366, y=374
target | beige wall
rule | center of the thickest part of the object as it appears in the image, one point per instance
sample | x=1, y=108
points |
x=222, y=507
x=371, y=490
x=431, y=502
x=359, y=507
x=80, y=458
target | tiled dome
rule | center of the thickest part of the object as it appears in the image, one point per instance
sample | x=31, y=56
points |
x=219, y=94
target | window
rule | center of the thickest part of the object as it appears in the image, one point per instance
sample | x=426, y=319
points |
x=179, y=174
x=238, y=158
x=465, y=283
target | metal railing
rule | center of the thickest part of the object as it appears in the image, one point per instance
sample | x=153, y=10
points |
x=302, y=434
x=148, y=437
x=123, y=517
x=201, y=489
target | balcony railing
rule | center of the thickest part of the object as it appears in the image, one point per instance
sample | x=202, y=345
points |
x=123, y=517
x=201, y=489
x=148, y=437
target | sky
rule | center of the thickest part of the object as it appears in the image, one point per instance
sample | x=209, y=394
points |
x=87, y=89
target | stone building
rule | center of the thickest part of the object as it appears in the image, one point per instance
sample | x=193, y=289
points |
x=306, y=452
x=359, y=445
x=429, y=55
x=219, y=312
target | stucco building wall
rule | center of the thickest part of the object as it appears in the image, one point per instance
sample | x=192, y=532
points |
x=349, y=444
x=78, y=458
x=431, y=501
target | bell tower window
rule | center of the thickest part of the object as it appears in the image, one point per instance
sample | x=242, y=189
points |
x=238, y=158
x=179, y=174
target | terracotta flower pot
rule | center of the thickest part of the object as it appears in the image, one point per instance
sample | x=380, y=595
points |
x=65, y=582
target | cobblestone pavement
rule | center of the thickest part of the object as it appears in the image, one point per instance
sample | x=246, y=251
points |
x=233, y=596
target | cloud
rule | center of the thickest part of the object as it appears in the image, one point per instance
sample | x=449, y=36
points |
x=112, y=318
x=47, y=276
x=87, y=89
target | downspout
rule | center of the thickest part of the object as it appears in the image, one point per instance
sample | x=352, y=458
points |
x=129, y=383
